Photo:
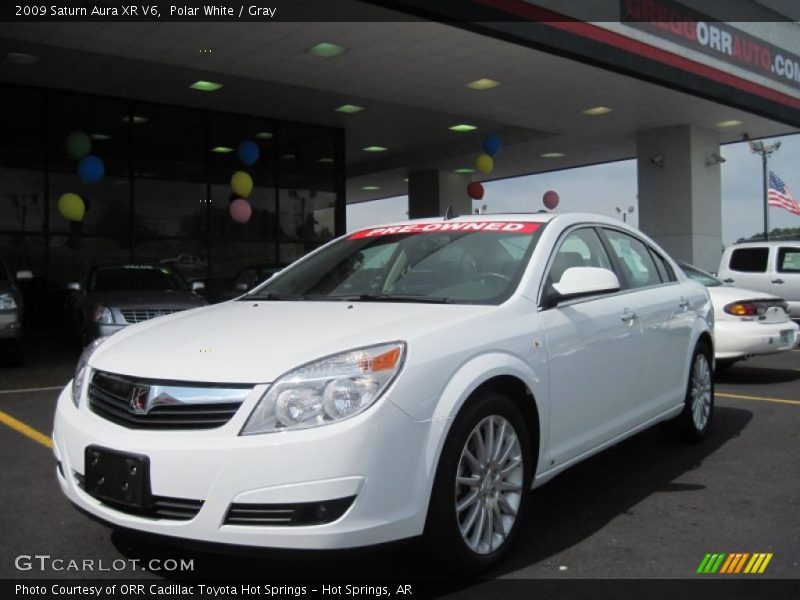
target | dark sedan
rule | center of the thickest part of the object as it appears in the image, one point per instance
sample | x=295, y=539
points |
x=112, y=296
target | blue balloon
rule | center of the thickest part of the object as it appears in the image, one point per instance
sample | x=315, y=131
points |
x=248, y=152
x=91, y=169
x=491, y=144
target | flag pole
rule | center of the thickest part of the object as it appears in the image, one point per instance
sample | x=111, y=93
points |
x=766, y=196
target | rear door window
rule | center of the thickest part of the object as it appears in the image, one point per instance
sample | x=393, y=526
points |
x=789, y=260
x=749, y=260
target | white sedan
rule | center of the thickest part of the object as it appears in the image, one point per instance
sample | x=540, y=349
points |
x=416, y=379
x=747, y=323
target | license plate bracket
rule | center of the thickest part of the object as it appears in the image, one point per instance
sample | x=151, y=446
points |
x=118, y=478
x=785, y=336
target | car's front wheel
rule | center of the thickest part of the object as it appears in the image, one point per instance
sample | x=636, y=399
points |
x=481, y=486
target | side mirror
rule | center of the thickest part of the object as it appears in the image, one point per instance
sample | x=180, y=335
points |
x=585, y=281
x=24, y=275
x=74, y=286
x=198, y=286
x=241, y=287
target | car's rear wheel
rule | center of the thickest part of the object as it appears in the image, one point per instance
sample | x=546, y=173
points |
x=695, y=420
x=481, y=486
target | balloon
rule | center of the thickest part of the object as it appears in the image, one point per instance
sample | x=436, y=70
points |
x=485, y=163
x=491, y=144
x=78, y=145
x=241, y=184
x=240, y=210
x=475, y=190
x=71, y=207
x=248, y=152
x=550, y=199
x=91, y=169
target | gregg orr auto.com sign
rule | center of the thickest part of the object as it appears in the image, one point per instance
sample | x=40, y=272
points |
x=687, y=27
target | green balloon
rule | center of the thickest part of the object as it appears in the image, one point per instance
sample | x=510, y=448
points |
x=71, y=207
x=78, y=145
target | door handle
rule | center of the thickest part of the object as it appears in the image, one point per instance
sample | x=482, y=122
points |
x=777, y=281
x=684, y=303
x=728, y=280
x=629, y=316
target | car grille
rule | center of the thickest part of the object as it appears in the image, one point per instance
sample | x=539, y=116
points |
x=163, y=507
x=110, y=397
x=136, y=315
x=283, y=515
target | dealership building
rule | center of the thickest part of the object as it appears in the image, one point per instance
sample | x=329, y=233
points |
x=371, y=100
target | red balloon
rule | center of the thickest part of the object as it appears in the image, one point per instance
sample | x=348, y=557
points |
x=550, y=199
x=475, y=190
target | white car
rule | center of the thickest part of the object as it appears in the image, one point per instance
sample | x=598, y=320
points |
x=405, y=380
x=746, y=323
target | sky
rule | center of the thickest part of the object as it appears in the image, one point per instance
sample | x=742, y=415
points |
x=603, y=188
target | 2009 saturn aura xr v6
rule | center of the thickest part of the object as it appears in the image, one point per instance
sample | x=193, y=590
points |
x=416, y=379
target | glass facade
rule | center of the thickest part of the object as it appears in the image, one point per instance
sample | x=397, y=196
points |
x=165, y=192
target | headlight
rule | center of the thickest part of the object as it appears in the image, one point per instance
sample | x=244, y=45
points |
x=7, y=302
x=102, y=315
x=83, y=369
x=327, y=390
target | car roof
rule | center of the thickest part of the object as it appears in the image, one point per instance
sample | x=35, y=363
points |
x=765, y=243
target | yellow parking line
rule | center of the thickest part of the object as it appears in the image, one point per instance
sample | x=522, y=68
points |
x=36, y=436
x=757, y=398
x=27, y=390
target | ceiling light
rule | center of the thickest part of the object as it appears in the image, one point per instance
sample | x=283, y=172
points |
x=100, y=137
x=370, y=188
x=264, y=135
x=137, y=120
x=597, y=110
x=222, y=149
x=731, y=123
x=21, y=58
x=325, y=160
x=327, y=50
x=464, y=170
x=206, y=86
x=483, y=84
x=288, y=157
x=552, y=155
x=405, y=179
x=375, y=149
x=349, y=108
x=462, y=128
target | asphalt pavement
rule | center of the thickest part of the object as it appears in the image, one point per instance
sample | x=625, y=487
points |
x=646, y=508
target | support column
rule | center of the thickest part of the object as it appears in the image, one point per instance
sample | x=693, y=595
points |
x=431, y=192
x=680, y=192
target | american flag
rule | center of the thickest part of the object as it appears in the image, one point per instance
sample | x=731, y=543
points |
x=779, y=195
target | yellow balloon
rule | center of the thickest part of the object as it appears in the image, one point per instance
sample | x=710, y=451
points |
x=71, y=207
x=241, y=184
x=485, y=163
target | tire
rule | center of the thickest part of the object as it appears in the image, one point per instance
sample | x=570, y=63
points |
x=500, y=487
x=694, y=422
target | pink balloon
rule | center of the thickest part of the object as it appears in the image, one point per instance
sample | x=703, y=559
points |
x=240, y=210
x=550, y=199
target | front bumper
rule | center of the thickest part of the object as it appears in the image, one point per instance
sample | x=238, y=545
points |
x=380, y=456
x=739, y=339
x=10, y=324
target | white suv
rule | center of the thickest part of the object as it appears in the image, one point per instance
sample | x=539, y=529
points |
x=769, y=267
x=413, y=379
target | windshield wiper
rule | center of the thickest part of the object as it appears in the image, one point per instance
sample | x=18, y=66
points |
x=392, y=298
x=271, y=296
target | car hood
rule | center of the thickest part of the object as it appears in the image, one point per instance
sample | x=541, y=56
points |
x=256, y=342
x=145, y=299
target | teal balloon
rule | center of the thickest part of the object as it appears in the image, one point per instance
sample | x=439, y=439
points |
x=248, y=152
x=78, y=145
x=91, y=169
x=491, y=144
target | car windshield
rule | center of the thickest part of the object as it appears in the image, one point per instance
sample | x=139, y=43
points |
x=707, y=279
x=459, y=262
x=135, y=277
